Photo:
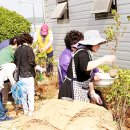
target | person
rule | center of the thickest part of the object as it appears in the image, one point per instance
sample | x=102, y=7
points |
x=44, y=38
x=83, y=63
x=63, y=63
x=68, y=54
x=24, y=56
x=7, y=53
x=4, y=43
x=6, y=72
x=7, y=56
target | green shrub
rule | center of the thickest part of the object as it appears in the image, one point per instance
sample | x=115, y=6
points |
x=118, y=95
x=12, y=24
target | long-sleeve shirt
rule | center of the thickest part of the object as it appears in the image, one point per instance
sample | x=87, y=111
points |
x=24, y=56
x=6, y=55
x=64, y=61
x=6, y=72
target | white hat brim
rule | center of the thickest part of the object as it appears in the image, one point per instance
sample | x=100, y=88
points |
x=94, y=41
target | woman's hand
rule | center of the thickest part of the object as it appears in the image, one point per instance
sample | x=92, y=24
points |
x=109, y=59
x=96, y=77
x=96, y=98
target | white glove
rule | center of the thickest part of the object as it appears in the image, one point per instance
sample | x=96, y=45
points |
x=96, y=98
x=39, y=68
x=109, y=58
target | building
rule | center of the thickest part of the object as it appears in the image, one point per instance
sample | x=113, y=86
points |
x=65, y=15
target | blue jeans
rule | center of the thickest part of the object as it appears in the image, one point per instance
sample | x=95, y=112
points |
x=2, y=109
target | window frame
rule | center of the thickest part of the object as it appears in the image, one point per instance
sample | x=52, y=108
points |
x=107, y=15
x=65, y=17
x=59, y=10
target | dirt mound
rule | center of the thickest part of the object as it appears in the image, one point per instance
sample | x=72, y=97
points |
x=57, y=114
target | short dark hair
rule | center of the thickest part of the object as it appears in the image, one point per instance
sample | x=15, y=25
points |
x=26, y=38
x=73, y=37
x=89, y=47
x=14, y=40
x=19, y=40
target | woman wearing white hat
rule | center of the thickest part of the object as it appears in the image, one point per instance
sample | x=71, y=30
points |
x=83, y=63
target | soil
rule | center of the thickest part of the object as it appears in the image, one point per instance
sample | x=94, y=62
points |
x=53, y=114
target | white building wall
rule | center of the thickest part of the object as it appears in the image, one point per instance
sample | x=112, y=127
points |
x=81, y=19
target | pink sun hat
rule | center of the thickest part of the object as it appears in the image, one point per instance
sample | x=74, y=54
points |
x=44, y=29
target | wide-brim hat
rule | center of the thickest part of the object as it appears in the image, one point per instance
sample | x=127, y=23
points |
x=92, y=37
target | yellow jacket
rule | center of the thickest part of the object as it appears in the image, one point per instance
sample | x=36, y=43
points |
x=42, y=43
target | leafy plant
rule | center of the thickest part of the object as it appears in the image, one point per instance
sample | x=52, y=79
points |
x=113, y=32
x=119, y=93
x=128, y=17
x=12, y=24
x=105, y=68
x=40, y=59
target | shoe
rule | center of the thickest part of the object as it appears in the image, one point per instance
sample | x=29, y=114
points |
x=7, y=118
x=6, y=110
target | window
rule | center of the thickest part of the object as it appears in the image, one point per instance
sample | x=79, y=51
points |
x=102, y=8
x=61, y=12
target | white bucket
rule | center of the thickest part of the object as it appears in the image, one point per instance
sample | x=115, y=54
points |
x=105, y=80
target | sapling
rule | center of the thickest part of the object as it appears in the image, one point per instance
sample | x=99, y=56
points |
x=113, y=34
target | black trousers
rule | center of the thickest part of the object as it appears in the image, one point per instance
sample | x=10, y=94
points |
x=49, y=64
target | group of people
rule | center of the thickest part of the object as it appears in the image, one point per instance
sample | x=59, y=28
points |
x=18, y=52
x=75, y=65
x=76, y=59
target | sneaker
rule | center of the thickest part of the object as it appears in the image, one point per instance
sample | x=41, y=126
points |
x=7, y=118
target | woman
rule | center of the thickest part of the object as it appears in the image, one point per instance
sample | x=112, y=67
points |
x=65, y=57
x=6, y=72
x=83, y=63
x=7, y=56
x=25, y=59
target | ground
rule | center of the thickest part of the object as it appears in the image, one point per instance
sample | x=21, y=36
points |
x=46, y=89
x=47, y=103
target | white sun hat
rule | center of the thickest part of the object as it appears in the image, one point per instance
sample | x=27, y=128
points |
x=92, y=37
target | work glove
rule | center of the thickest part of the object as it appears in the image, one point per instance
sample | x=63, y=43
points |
x=109, y=59
x=40, y=69
x=96, y=98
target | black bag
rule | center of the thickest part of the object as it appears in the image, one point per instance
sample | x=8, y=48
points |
x=16, y=74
